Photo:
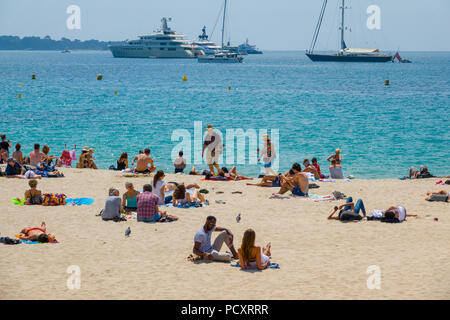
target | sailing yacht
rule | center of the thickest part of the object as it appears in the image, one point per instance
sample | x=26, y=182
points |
x=222, y=55
x=164, y=43
x=345, y=54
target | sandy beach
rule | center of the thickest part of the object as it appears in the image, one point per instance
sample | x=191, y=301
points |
x=318, y=258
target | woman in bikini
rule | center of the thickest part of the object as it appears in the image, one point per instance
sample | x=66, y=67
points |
x=336, y=156
x=251, y=256
x=181, y=196
x=122, y=162
x=129, y=198
x=33, y=196
x=268, y=154
x=37, y=234
x=232, y=174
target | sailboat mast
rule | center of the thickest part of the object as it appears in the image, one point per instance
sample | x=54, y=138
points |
x=342, y=27
x=223, y=21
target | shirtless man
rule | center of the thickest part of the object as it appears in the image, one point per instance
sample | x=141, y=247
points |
x=36, y=155
x=310, y=168
x=142, y=162
x=298, y=184
x=270, y=180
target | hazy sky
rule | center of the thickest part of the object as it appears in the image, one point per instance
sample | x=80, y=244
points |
x=271, y=25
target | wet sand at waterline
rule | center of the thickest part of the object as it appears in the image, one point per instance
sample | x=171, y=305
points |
x=318, y=258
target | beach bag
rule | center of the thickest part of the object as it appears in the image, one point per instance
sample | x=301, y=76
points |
x=54, y=199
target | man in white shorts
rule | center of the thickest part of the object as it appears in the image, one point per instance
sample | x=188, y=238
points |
x=214, y=146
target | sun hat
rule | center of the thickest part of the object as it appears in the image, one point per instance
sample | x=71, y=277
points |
x=209, y=126
x=85, y=149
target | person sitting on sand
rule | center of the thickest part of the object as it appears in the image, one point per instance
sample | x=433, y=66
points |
x=311, y=169
x=349, y=210
x=298, y=184
x=46, y=159
x=14, y=169
x=33, y=196
x=17, y=155
x=3, y=156
x=147, y=206
x=36, y=155
x=160, y=187
x=232, y=174
x=143, y=160
x=202, y=243
x=37, y=234
x=136, y=157
x=438, y=192
x=5, y=145
x=336, y=156
x=85, y=160
x=179, y=163
x=113, y=206
x=122, y=162
x=251, y=256
x=181, y=196
x=129, y=198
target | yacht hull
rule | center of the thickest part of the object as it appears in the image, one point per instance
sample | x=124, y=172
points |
x=349, y=58
x=127, y=51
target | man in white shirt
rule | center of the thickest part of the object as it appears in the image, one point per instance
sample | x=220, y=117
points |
x=202, y=242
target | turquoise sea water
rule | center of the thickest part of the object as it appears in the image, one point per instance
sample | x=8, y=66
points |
x=315, y=106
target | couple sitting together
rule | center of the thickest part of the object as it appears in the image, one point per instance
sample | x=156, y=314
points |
x=295, y=180
x=249, y=255
x=350, y=212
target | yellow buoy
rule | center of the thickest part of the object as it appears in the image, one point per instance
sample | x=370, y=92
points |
x=115, y=92
x=386, y=83
x=229, y=88
x=21, y=84
x=33, y=76
x=99, y=77
x=20, y=95
x=184, y=78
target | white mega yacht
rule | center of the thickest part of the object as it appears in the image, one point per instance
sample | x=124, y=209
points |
x=206, y=45
x=164, y=43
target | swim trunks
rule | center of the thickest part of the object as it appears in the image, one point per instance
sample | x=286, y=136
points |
x=298, y=192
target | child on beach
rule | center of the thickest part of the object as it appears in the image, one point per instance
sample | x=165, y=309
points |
x=251, y=256
x=33, y=196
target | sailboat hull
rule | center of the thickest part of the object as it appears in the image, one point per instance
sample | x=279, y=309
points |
x=349, y=58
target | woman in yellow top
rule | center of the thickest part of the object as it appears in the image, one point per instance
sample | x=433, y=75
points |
x=251, y=256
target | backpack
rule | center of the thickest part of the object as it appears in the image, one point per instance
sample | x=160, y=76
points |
x=54, y=199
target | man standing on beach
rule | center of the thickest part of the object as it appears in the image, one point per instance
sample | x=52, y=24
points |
x=142, y=162
x=202, y=242
x=36, y=155
x=213, y=144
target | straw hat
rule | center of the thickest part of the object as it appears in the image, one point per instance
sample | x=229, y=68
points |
x=85, y=149
x=209, y=126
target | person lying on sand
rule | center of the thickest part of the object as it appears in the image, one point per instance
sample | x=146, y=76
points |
x=250, y=256
x=233, y=174
x=202, y=243
x=14, y=169
x=181, y=196
x=37, y=234
x=391, y=214
x=349, y=211
x=143, y=160
x=274, y=180
x=441, y=192
x=33, y=196
x=194, y=172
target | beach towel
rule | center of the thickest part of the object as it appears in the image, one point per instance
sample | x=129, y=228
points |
x=225, y=179
x=270, y=266
x=334, y=180
x=79, y=201
x=314, y=197
x=32, y=242
x=19, y=202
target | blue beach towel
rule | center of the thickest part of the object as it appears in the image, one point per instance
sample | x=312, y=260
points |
x=270, y=266
x=80, y=201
